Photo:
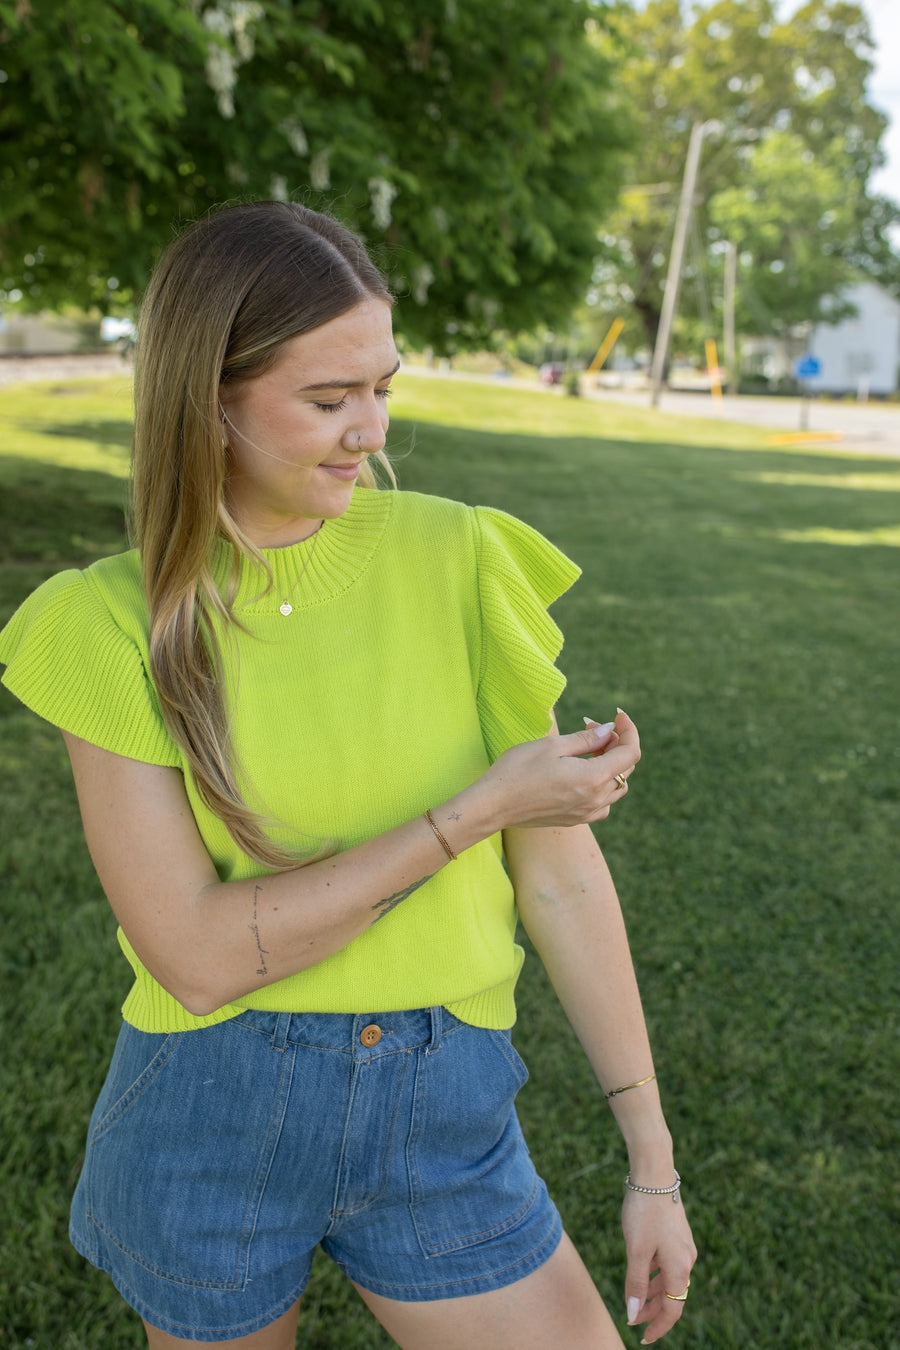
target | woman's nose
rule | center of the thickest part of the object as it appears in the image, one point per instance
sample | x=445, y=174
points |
x=369, y=435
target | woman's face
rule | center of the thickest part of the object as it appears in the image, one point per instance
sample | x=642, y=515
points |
x=299, y=434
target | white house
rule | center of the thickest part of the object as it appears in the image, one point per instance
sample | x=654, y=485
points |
x=860, y=355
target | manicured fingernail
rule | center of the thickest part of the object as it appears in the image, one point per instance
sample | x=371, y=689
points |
x=621, y=710
x=602, y=730
x=634, y=1307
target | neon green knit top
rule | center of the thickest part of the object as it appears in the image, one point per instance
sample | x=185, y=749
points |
x=418, y=650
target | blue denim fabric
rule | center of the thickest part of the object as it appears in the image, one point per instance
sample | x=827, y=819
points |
x=218, y=1160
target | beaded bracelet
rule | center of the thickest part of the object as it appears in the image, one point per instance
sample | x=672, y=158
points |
x=655, y=1190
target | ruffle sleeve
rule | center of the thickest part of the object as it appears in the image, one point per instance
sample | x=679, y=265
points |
x=70, y=662
x=519, y=575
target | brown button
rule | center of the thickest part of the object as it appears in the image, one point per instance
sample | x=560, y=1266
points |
x=371, y=1034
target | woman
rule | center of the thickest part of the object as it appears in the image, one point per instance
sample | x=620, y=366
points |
x=302, y=716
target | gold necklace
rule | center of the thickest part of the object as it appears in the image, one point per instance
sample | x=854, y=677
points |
x=286, y=607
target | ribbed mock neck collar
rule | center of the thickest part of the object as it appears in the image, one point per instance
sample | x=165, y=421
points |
x=333, y=558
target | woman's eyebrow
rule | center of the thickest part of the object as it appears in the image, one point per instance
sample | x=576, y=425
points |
x=347, y=384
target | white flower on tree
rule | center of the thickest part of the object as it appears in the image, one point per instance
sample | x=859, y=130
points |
x=382, y=194
x=225, y=22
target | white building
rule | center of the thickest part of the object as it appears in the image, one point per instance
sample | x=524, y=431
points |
x=860, y=355
x=44, y=334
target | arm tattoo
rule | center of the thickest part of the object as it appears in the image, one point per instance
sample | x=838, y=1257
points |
x=392, y=901
x=261, y=953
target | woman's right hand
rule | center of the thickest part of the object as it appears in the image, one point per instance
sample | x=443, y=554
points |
x=564, y=780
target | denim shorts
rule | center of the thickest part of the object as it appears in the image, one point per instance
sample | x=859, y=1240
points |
x=219, y=1159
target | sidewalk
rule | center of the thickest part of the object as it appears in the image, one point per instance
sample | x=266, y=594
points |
x=19, y=369
x=861, y=428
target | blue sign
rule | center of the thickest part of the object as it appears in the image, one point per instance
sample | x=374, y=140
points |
x=808, y=367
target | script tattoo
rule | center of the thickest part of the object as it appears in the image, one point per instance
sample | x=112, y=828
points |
x=261, y=953
x=392, y=901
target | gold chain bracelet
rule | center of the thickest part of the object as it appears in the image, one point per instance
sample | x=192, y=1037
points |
x=443, y=842
x=628, y=1086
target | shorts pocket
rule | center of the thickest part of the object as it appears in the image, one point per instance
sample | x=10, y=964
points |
x=138, y=1058
x=181, y=1142
x=471, y=1176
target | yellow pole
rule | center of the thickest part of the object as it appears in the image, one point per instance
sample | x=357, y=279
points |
x=606, y=345
x=712, y=365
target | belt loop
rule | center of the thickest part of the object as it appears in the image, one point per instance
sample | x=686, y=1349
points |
x=280, y=1031
x=437, y=1029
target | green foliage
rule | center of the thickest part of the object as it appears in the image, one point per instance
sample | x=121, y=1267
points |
x=791, y=147
x=791, y=255
x=90, y=102
x=734, y=600
x=475, y=156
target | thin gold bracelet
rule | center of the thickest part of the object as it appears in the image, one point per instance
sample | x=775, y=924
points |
x=628, y=1086
x=446, y=847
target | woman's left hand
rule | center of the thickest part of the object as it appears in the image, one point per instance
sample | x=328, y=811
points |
x=661, y=1255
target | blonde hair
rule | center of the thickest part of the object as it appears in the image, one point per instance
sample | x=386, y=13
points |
x=222, y=300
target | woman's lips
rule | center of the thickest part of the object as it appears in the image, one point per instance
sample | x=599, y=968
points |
x=346, y=472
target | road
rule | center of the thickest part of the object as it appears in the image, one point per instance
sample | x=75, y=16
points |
x=19, y=369
x=873, y=428
x=867, y=428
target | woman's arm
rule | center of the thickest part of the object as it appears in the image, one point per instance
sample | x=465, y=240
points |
x=568, y=906
x=209, y=942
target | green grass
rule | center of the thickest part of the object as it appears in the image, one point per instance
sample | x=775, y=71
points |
x=741, y=603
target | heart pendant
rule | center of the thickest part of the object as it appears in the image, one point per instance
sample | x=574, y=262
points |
x=285, y=609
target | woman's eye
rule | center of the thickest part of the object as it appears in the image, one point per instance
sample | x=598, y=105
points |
x=342, y=403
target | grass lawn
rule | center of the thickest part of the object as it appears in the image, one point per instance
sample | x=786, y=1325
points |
x=740, y=602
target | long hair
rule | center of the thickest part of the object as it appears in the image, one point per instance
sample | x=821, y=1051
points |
x=223, y=299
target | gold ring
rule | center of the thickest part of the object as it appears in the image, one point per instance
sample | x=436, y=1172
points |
x=679, y=1298
x=621, y=781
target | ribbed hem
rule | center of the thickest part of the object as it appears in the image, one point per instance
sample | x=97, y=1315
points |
x=494, y=1008
x=149, y=1008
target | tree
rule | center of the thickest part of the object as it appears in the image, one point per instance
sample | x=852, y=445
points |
x=476, y=153
x=787, y=159
x=90, y=98
x=791, y=256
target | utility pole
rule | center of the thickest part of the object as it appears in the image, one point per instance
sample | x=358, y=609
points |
x=676, y=258
x=728, y=307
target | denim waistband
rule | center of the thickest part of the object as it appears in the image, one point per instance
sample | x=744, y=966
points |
x=364, y=1036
